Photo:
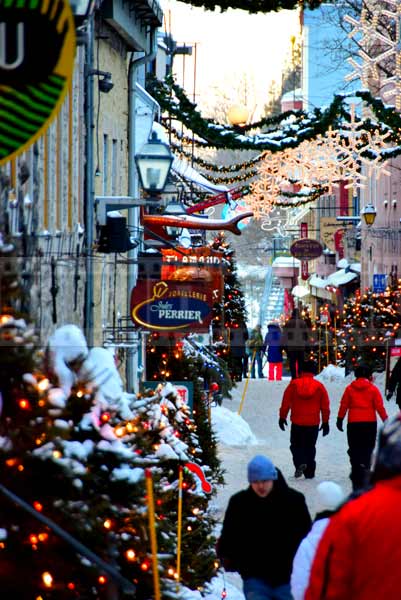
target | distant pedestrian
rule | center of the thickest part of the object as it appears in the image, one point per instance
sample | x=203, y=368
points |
x=359, y=555
x=329, y=497
x=307, y=400
x=262, y=529
x=239, y=359
x=272, y=346
x=394, y=383
x=254, y=345
x=296, y=342
x=361, y=400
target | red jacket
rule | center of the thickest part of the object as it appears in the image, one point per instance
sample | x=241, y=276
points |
x=359, y=555
x=362, y=399
x=306, y=398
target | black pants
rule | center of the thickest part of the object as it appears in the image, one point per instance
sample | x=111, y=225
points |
x=303, y=447
x=361, y=442
x=295, y=361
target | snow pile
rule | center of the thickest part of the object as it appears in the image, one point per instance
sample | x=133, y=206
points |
x=331, y=373
x=231, y=429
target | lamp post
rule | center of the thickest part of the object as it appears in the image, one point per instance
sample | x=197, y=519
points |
x=177, y=209
x=154, y=162
x=369, y=214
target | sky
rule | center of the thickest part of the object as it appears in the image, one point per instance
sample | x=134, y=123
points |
x=230, y=47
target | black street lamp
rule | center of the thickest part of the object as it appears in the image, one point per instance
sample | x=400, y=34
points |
x=154, y=163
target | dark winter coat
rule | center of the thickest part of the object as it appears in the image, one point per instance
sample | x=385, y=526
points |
x=272, y=344
x=395, y=382
x=255, y=341
x=260, y=536
x=359, y=555
x=238, y=338
x=362, y=400
x=296, y=335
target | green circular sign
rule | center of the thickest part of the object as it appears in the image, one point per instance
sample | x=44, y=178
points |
x=37, y=51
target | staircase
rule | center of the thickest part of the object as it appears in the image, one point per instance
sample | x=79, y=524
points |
x=272, y=300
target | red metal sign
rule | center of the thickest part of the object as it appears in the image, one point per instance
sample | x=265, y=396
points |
x=172, y=307
x=199, y=265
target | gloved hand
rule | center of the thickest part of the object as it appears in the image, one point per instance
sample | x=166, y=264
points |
x=282, y=423
x=325, y=428
x=340, y=424
x=389, y=395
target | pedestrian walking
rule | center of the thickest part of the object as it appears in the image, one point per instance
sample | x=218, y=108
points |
x=262, y=529
x=307, y=400
x=359, y=555
x=296, y=341
x=239, y=359
x=273, y=348
x=361, y=400
x=254, y=345
x=329, y=497
x=394, y=383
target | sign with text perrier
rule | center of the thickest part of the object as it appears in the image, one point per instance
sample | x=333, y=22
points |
x=37, y=51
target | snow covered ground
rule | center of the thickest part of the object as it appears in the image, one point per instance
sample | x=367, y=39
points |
x=256, y=431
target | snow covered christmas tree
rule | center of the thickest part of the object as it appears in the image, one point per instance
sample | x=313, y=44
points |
x=229, y=315
x=370, y=321
x=85, y=466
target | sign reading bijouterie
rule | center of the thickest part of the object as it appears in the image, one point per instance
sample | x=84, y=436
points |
x=306, y=249
x=170, y=306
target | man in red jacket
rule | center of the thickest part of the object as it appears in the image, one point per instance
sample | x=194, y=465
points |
x=359, y=555
x=307, y=399
x=362, y=400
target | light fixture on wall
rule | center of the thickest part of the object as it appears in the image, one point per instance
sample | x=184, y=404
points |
x=394, y=203
x=154, y=162
x=105, y=83
x=174, y=208
x=369, y=214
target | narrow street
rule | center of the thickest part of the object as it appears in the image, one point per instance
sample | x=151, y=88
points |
x=260, y=411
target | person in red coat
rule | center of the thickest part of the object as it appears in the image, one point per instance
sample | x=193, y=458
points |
x=362, y=400
x=307, y=399
x=359, y=554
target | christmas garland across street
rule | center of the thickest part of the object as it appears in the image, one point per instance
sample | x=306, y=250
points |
x=254, y=6
x=281, y=132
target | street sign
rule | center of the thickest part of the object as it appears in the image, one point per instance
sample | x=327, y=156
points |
x=185, y=389
x=37, y=53
x=306, y=249
x=379, y=283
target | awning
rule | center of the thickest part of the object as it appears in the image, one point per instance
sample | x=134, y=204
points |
x=340, y=277
x=317, y=281
x=300, y=291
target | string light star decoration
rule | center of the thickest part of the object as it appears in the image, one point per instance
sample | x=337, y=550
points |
x=378, y=34
x=350, y=154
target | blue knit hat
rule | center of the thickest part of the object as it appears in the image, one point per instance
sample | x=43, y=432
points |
x=261, y=468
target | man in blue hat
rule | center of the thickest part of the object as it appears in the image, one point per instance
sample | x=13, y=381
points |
x=262, y=529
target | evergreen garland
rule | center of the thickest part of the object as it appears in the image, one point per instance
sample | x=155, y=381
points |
x=254, y=6
x=281, y=131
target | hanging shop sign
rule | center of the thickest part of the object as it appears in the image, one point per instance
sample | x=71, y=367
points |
x=199, y=265
x=172, y=307
x=306, y=249
x=329, y=227
x=37, y=51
